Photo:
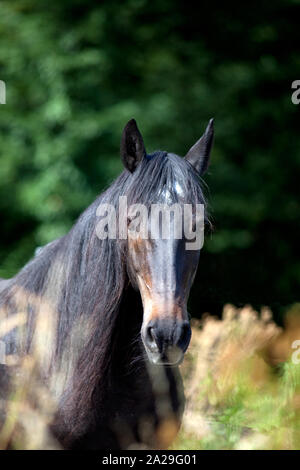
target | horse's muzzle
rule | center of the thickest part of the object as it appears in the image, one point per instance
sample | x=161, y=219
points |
x=166, y=340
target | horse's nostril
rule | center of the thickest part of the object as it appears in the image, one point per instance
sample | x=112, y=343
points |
x=152, y=338
x=163, y=335
x=150, y=333
x=184, y=336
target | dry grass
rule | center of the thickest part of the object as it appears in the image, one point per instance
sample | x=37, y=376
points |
x=242, y=389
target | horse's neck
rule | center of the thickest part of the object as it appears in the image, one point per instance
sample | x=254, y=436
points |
x=127, y=348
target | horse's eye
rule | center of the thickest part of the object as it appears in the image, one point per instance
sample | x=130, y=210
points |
x=131, y=223
x=131, y=226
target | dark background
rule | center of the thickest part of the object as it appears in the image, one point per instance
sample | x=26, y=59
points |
x=77, y=70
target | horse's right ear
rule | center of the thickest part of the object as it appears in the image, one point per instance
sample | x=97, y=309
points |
x=132, y=146
x=199, y=154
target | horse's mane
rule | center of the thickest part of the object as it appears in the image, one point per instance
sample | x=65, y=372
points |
x=81, y=278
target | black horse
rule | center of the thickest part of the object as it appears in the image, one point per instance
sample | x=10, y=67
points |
x=107, y=318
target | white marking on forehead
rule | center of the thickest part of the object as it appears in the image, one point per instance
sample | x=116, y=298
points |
x=177, y=189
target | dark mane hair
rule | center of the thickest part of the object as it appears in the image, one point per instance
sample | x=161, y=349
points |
x=83, y=279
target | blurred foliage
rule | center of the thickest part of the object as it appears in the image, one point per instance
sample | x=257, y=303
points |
x=77, y=70
x=242, y=383
x=242, y=386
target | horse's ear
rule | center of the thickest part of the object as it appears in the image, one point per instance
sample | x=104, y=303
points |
x=199, y=154
x=132, y=146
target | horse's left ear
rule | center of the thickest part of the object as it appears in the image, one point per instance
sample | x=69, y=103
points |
x=199, y=154
x=132, y=146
